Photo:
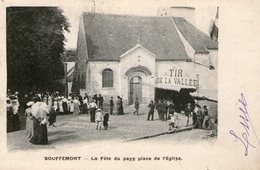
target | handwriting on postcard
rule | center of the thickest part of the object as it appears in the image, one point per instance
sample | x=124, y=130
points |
x=243, y=137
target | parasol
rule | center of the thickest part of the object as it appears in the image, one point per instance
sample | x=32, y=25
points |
x=40, y=110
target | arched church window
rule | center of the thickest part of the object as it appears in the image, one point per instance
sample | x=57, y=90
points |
x=107, y=78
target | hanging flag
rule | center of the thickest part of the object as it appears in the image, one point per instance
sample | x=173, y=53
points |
x=213, y=32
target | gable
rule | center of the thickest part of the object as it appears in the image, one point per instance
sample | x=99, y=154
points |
x=137, y=50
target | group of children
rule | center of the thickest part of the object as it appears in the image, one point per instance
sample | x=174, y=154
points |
x=101, y=119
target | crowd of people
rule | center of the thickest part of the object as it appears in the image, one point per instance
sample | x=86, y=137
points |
x=52, y=104
x=196, y=116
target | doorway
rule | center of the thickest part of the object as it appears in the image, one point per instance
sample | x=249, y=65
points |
x=135, y=89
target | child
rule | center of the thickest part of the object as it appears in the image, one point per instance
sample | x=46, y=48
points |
x=176, y=119
x=172, y=121
x=98, y=119
x=105, y=121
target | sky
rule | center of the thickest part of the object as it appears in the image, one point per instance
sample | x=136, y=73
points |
x=203, y=15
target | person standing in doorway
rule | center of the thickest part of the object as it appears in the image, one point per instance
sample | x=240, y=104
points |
x=151, y=111
x=111, y=106
x=136, y=107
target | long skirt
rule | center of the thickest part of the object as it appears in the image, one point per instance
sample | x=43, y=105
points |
x=76, y=109
x=65, y=107
x=9, y=122
x=85, y=109
x=40, y=134
x=29, y=127
x=92, y=114
x=118, y=111
x=122, y=110
x=111, y=110
x=52, y=118
x=16, y=122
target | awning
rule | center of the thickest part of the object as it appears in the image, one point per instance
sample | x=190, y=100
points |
x=206, y=95
x=174, y=87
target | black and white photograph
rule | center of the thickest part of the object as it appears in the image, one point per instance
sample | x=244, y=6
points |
x=129, y=77
x=106, y=74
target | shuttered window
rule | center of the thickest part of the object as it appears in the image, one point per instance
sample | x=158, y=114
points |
x=107, y=78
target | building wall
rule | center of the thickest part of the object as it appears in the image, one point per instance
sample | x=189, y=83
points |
x=94, y=78
x=160, y=69
x=143, y=58
x=121, y=80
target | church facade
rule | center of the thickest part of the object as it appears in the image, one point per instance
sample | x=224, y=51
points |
x=132, y=56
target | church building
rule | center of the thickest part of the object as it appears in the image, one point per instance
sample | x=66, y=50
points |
x=135, y=56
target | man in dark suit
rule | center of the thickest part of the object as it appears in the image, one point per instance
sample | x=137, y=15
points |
x=111, y=105
x=136, y=107
x=151, y=111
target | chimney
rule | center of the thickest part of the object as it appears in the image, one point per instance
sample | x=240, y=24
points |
x=187, y=13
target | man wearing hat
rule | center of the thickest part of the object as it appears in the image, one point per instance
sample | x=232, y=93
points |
x=188, y=111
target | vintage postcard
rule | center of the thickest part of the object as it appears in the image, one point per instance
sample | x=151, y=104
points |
x=120, y=84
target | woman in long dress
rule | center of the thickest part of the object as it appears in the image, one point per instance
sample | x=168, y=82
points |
x=15, y=120
x=40, y=134
x=60, y=106
x=71, y=106
x=121, y=106
x=76, y=106
x=55, y=105
x=29, y=120
x=118, y=104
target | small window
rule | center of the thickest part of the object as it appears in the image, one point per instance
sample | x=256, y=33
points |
x=107, y=78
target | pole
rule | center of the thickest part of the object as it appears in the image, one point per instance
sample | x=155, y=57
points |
x=66, y=84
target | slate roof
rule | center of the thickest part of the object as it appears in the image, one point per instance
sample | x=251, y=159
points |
x=196, y=38
x=108, y=36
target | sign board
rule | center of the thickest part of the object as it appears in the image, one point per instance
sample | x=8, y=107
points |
x=177, y=77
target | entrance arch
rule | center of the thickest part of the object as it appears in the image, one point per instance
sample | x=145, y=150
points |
x=135, y=89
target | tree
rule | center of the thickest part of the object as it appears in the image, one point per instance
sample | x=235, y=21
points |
x=35, y=44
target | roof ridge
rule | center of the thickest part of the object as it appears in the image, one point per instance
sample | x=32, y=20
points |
x=124, y=15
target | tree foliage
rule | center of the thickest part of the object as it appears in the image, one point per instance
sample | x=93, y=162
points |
x=35, y=44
